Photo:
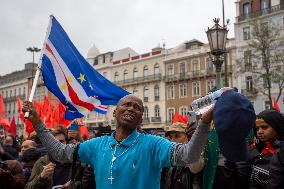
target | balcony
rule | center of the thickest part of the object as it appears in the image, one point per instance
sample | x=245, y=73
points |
x=249, y=92
x=261, y=12
x=157, y=98
x=138, y=80
x=156, y=119
x=145, y=121
x=145, y=99
x=13, y=98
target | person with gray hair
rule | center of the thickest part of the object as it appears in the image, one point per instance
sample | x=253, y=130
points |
x=127, y=158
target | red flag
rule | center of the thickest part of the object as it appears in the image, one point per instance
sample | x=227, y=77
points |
x=29, y=126
x=84, y=131
x=12, y=128
x=62, y=120
x=179, y=118
x=49, y=116
x=3, y=117
x=175, y=118
x=276, y=105
x=44, y=110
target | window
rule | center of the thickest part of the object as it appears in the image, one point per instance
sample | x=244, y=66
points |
x=209, y=64
x=157, y=111
x=15, y=92
x=125, y=75
x=146, y=112
x=194, y=63
x=157, y=92
x=10, y=93
x=14, y=107
x=170, y=92
x=247, y=60
x=6, y=94
x=170, y=69
x=145, y=72
x=116, y=76
x=24, y=92
x=263, y=4
x=156, y=69
x=171, y=112
x=210, y=85
x=246, y=9
x=182, y=90
x=246, y=33
x=249, y=83
x=183, y=111
x=267, y=105
x=135, y=74
x=135, y=91
x=145, y=94
x=20, y=92
x=182, y=69
x=196, y=88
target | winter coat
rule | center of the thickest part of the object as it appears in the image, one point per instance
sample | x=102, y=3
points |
x=276, y=171
x=36, y=182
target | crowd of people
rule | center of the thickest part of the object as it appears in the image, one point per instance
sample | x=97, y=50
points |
x=187, y=157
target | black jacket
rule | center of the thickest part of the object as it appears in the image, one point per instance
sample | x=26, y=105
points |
x=276, y=172
x=180, y=178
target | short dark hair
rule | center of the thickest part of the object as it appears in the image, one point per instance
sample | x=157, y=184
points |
x=60, y=130
x=31, y=154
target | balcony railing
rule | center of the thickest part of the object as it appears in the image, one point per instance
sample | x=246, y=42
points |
x=145, y=120
x=156, y=119
x=137, y=80
x=249, y=92
x=157, y=98
x=13, y=98
x=261, y=12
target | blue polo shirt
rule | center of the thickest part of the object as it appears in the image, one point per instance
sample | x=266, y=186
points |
x=140, y=167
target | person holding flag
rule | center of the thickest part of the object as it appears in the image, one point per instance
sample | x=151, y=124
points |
x=126, y=159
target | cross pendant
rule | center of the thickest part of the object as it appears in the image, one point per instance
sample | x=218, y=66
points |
x=110, y=178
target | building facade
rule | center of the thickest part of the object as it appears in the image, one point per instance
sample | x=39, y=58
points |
x=266, y=12
x=189, y=74
x=139, y=74
x=12, y=85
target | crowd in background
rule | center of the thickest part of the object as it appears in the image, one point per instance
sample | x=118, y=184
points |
x=27, y=164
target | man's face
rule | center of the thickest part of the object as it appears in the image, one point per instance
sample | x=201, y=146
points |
x=27, y=145
x=178, y=137
x=129, y=112
x=61, y=138
x=265, y=132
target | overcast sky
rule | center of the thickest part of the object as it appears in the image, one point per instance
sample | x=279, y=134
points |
x=109, y=24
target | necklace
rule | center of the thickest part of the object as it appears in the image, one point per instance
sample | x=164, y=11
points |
x=113, y=157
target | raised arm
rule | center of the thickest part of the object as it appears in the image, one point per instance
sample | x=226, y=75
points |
x=59, y=151
x=183, y=154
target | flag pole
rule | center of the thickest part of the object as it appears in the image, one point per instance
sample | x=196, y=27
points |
x=38, y=69
x=33, y=89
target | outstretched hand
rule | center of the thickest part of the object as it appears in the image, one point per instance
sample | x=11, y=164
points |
x=33, y=115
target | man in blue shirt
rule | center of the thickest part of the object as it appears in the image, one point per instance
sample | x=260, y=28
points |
x=126, y=159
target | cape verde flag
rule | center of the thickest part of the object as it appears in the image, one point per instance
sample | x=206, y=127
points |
x=72, y=79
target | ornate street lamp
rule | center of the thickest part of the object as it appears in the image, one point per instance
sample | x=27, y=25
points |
x=33, y=50
x=217, y=36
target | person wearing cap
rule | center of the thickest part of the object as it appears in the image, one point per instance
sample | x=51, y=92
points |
x=255, y=172
x=182, y=177
x=269, y=126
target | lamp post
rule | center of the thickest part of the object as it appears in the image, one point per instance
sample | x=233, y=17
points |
x=217, y=36
x=33, y=50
